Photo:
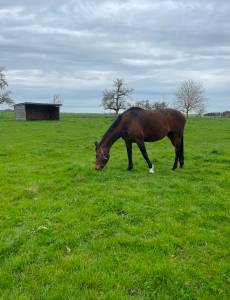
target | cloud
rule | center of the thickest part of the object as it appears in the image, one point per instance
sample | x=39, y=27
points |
x=77, y=48
x=16, y=13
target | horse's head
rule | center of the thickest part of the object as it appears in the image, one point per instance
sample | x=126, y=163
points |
x=102, y=156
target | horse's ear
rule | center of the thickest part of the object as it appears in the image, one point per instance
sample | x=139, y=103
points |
x=96, y=144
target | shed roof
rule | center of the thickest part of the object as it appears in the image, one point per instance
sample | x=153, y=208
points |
x=35, y=103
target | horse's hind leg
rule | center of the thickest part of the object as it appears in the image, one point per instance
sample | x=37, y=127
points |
x=175, y=139
x=129, y=153
x=142, y=148
x=181, y=157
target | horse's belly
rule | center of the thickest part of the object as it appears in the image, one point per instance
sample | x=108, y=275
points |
x=153, y=135
x=152, y=139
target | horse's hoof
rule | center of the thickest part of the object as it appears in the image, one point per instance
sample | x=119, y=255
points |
x=130, y=168
x=151, y=171
x=174, y=169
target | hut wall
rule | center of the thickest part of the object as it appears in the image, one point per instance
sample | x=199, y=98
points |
x=20, y=112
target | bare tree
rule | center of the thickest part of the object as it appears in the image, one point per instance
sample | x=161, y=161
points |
x=160, y=105
x=147, y=104
x=116, y=99
x=190, y=96
x=4, y=93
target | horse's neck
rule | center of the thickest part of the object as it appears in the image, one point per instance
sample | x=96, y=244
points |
x=110, y=138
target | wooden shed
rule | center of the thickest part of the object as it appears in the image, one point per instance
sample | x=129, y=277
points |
x=37, y=111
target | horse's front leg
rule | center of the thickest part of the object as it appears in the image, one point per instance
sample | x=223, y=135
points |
x=142, y=148
x=129, y=153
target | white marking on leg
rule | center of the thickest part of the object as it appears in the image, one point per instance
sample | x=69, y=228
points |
x=151, y=170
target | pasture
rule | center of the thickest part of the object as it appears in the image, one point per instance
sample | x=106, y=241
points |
x=69, y=232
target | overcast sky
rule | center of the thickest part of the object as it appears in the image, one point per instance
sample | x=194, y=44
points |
x=78, y=48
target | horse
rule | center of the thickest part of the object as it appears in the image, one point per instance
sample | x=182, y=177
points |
x=137, y=125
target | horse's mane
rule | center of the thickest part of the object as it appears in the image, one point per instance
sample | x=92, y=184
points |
x=113, y=126
x=118, y=120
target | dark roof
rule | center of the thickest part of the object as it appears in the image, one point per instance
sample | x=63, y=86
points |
x=34, y=103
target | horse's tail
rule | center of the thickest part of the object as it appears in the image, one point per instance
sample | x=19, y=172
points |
x=182, y=150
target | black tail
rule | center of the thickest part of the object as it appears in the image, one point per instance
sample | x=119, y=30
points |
x=181, y=157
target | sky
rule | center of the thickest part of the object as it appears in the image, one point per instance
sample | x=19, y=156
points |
x=76, y=48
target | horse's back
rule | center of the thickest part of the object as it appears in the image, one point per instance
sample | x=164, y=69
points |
x=153, y=124
x=155, y=116
x=174, y=117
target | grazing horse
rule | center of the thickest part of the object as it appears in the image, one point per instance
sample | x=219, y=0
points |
x=137, y=125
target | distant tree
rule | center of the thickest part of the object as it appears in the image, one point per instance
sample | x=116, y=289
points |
x=160, y=105
x=4, y=93
x=218, y=114
x=190, y=96
x=57, y=99
x=147, y=104
x=116, y=99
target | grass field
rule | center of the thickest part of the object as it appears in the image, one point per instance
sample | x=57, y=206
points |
x=68, y=232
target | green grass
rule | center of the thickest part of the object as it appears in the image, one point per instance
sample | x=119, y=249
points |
x=69, y=232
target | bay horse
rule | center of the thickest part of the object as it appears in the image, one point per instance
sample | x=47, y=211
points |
x=137, y=125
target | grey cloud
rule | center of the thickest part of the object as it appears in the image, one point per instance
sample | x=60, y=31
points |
x=83, y=45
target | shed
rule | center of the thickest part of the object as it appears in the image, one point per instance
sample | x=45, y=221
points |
x=37, y=111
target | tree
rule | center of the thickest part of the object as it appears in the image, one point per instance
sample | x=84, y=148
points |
x=143, y=104
x=116, y=99
x=147, y=104
x=4, y=93
x=190, y=96
x=159, y=105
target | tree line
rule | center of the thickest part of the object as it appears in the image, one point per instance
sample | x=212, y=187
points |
x=218, y=114
x=190, y=96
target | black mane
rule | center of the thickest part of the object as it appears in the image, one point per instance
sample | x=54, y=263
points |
x=113, y=126
x=118, y=120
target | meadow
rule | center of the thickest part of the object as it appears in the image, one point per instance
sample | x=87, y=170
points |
x=69, y=232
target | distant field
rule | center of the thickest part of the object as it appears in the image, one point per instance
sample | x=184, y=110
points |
x=68, y=232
